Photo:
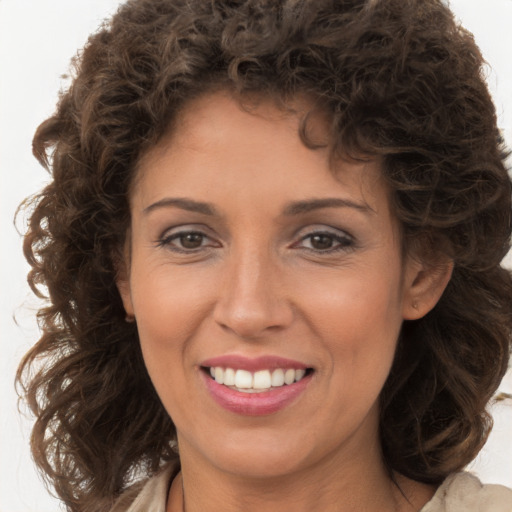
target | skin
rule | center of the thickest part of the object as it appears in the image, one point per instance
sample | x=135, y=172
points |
x=326, y=286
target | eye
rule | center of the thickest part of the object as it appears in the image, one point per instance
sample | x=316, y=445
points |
x=191, y=240
x=326, y=241
x=186, y=241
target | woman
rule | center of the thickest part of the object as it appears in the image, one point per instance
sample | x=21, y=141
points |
x=272, y=250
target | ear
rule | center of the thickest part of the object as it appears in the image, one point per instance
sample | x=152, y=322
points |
x=123, y=281
x=123, y=285
x=424, y=283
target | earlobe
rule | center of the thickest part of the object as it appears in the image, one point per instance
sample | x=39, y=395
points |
x=123, y=283
x=123, y=286
x=424, y=285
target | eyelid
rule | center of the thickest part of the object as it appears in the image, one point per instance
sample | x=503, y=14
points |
x=338, y=234
x=175, y=232
x=185, y=228
x=316, y=229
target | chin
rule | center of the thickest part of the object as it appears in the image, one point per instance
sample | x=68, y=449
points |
x=259, y=456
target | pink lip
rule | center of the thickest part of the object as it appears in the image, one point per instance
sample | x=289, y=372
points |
x=255, y=404
x=239, y=362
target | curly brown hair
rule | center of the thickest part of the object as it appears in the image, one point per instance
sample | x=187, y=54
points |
x=400, y=80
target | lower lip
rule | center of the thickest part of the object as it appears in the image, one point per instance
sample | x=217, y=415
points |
x=255, y=404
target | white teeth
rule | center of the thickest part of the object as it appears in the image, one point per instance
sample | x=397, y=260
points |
x=278, y=378
x=219, y=375
x=246, y=381
x=262, y=380
x=289, y=376
x=243, y=379
x=299, y=374
x=229, y=377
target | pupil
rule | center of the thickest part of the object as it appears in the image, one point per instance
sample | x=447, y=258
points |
x=191, y=241
x=321, y=241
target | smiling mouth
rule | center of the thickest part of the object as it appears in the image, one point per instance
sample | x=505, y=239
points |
x=260, y=381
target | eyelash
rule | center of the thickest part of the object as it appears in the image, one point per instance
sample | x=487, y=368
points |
x=166, y=241
x=344, y=242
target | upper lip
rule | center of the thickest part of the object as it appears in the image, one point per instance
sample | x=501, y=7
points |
x=254, y=364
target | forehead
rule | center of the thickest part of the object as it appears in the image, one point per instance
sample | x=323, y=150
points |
x=216, y=139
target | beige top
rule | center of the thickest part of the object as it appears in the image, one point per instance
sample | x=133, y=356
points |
x=460, y=492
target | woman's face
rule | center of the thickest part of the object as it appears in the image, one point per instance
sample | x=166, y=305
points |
x=249, y=255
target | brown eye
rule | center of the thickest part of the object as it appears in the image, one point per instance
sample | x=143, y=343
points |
x=326, y=242
x=321, y=242
x=191, y=240
x=187, y=241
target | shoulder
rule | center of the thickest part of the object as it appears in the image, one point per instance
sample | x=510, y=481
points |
x=149, y=495
x=464, y=492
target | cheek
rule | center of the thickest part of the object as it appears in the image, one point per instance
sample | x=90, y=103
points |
x=359, y=322
x=169, y=302
x=166, y=322
x=169, y=309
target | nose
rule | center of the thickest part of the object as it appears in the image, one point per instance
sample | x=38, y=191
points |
x=253, y=300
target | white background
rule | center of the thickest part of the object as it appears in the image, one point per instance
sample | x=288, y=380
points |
x=37, y=39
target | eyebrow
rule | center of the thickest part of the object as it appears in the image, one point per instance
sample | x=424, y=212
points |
x=294, y=208
x=299, y=207
x=185, y=204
